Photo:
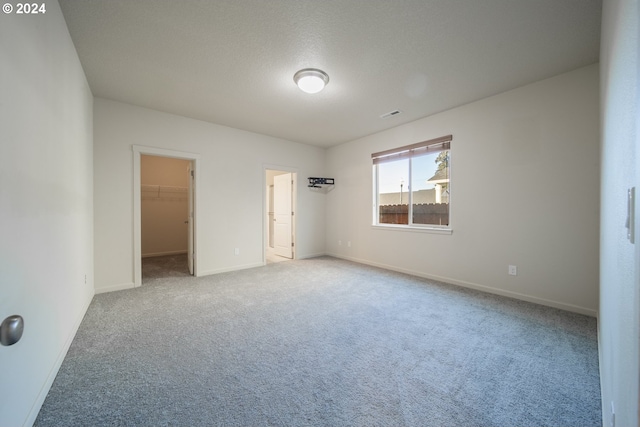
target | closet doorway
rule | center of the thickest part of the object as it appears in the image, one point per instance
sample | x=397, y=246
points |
x=164, y=213
x=280, y=215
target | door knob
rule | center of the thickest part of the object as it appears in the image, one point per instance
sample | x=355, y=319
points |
x=11, y=330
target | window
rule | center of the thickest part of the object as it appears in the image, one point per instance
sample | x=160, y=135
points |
x=412, y=184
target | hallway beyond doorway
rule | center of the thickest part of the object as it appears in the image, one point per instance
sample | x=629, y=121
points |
x=279, y=216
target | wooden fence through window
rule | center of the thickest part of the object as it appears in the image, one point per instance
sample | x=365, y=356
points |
x=424, y=213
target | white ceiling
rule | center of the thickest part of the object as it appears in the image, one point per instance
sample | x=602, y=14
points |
x=232, y=62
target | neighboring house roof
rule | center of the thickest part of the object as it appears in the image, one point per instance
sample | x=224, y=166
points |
x=441, y=176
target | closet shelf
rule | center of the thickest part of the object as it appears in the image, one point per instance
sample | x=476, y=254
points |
x=163, y=192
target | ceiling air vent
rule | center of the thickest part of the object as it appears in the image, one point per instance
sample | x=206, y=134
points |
x=390, y=114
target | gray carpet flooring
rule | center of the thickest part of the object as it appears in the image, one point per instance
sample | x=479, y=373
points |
x=164, y=266
x=324, y=342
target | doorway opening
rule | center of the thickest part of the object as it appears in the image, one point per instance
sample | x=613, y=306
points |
x=165, y=213
x=280, y=215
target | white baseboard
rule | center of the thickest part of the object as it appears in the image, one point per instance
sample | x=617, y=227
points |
x=112, y=288
x=478, y=287
x=37, y=405
x=603, y=398
x=225, y=270
x=152, y=254
x=307, y=256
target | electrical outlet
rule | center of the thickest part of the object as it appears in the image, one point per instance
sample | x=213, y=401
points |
x=85, y=279
x=349, y=244
x=513, y=270
x=237, y=251
x=339, y=242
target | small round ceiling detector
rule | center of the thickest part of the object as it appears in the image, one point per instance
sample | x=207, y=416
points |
x=311, y=80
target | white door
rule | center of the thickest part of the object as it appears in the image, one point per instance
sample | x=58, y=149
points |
x=283, y=214
x=190, y=219
x=270, y=218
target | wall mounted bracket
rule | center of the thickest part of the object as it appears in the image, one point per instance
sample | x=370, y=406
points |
x=319, y=182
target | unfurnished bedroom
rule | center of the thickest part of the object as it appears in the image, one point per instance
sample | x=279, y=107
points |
x=319, y=213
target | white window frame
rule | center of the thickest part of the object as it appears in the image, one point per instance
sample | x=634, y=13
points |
x=408, y=152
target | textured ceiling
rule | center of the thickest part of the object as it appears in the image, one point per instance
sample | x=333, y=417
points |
x=232, y=62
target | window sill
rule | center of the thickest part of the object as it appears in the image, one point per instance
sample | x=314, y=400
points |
x=425, y=229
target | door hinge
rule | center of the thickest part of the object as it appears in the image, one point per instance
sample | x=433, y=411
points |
x=192, y=175
x=291, y=244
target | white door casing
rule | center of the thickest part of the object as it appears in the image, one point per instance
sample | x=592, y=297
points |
x=190, y=218
x=139, y=150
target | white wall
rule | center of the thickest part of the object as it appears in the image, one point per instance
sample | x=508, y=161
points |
x=46, y=203
x=536, y=149
x=619, y=262
x=164, y=212
x=231, y=188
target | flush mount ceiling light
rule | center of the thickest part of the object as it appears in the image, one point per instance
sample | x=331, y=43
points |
x=311, y=80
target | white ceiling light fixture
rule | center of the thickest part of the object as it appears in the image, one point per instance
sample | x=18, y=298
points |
x=311, y=80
